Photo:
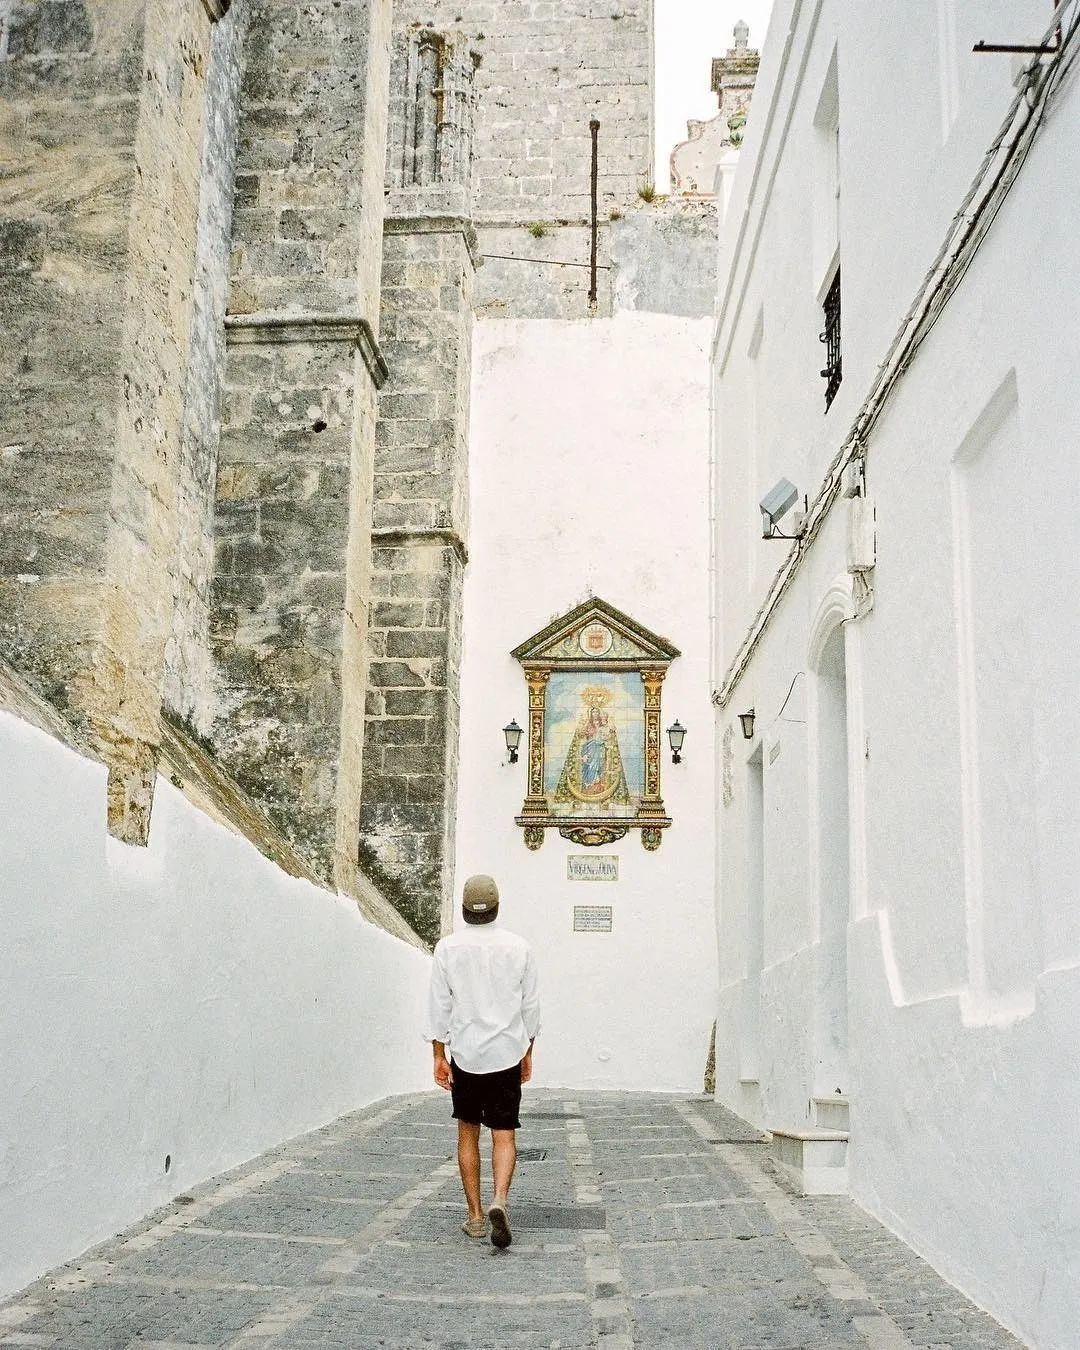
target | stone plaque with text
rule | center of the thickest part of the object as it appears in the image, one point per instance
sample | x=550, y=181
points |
x=592, y=867
x=592, y=918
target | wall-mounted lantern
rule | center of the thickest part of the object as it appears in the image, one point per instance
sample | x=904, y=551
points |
x=512, y=734
x=747, y=720
x=676, y=734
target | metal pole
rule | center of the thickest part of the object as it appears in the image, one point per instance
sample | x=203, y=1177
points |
x=594, y=127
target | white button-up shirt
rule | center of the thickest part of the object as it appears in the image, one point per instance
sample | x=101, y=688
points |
x=483, y=1002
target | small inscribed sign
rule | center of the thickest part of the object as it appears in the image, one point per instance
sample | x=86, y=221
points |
x=592, y=867
x=592, y=918
x=729, y=765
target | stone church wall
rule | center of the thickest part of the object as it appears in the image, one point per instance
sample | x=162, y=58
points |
x=420, y=504
x=518, y=84
x=546, y=68
x=101, y=217
x=295, y=461
x=194, y=456
x=192, y=250
x=66, y=199
x=188, y=690
x=420, y=526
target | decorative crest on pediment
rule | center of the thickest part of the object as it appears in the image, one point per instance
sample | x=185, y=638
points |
x=595, y=632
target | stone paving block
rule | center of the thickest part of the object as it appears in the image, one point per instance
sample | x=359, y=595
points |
x=105, y=1317
x=227, y=1260
x=362, y=1160
x=419, y=1142
x=561, y=1193
x=570, y=1218
x=647, y=1133
x=526, y=1325
x=930, y=1311
x=464, y=1265
x=726, y=1124
x=690, y=1221
x=712, y=1262
x=657, y=1168
x=738, y=1321
x=312, y=1181
x=293, y=1216
x=685, y=1190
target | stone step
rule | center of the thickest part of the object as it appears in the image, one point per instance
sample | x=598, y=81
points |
x=815, y=1160
x=831, y=1113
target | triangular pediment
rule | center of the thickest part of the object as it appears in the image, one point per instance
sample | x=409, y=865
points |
x=595, y=632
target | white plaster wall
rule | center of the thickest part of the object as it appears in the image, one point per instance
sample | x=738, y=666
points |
x=589, y=475
x=187, y=999
x=963, y=945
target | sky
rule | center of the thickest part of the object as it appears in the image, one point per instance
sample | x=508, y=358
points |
x=689, y=33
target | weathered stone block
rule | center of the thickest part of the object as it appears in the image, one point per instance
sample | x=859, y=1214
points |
x=406, y=759
x=394, y=675
x=22, y=246
x=397, y=731
x=426, y=789
x=422, y=642
x=413, y=702
x=48, y=27
x=397, y=615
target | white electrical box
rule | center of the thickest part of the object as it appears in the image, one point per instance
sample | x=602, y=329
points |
x=854, y=479
x=862, y=535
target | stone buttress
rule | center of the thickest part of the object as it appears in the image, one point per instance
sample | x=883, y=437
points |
x=420, y=506
x=107, y=108
x=291, y=515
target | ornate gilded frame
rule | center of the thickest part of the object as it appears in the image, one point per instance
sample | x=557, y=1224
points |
x=594, y=637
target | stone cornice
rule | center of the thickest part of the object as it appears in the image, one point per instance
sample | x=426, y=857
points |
x=422, y=223
x=271, y=327
x=438, y=535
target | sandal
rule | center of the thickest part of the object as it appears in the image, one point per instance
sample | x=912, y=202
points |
x=500, y=1226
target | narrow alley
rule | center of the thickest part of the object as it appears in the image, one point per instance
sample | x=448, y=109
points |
x=639, y=1221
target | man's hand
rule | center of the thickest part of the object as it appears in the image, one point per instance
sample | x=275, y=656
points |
x=526, y=1066
x=443, y=1074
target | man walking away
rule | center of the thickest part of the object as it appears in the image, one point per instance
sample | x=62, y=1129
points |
x=484, y=1007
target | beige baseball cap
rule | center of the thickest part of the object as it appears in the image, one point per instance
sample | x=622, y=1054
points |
x=480, y=895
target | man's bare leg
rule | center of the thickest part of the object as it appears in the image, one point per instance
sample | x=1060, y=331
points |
x=468, y=1157
x=503, y=1161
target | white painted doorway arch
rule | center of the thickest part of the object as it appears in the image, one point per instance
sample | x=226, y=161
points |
x=830, y=832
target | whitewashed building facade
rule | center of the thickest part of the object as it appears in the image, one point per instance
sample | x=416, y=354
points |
x=898, y=858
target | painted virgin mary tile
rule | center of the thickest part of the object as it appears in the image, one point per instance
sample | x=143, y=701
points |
x=595, y=679
x=594, y=735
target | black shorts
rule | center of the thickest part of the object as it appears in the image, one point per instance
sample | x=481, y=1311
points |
x=491, y=1099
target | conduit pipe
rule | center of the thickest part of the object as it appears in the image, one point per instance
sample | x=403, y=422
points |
x=988, y=190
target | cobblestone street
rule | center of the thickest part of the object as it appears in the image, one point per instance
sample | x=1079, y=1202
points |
x=638, y=1221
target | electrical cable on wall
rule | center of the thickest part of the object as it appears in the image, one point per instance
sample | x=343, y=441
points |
x=1001, y=165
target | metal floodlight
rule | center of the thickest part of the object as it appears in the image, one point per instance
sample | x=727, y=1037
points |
x=775, y=505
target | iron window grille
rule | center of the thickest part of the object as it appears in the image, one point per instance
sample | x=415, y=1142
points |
x=833, y=372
